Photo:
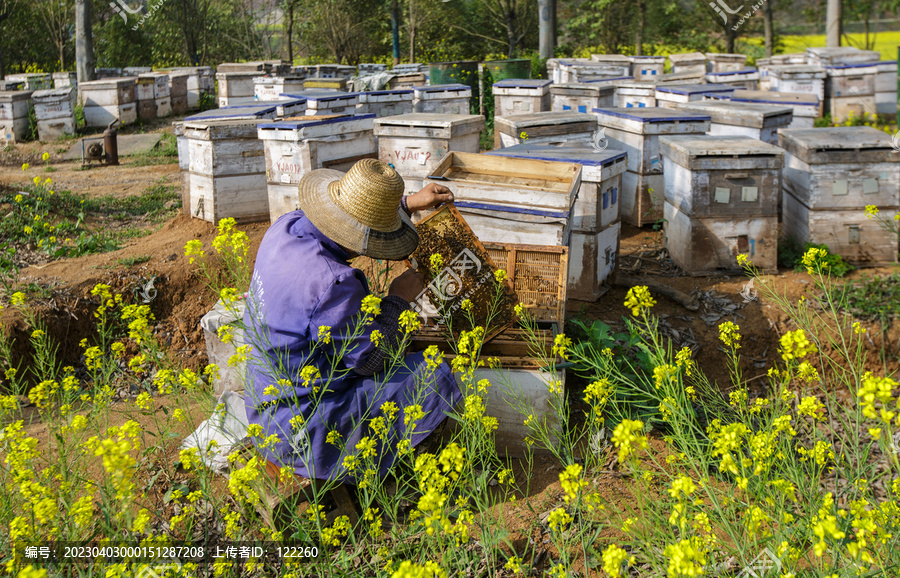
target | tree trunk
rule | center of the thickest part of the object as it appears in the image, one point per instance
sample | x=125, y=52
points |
x=84, y=41
x=639, y=32
x=511, y=34
x=289, y=32
x=730, y=36
x=769, y=28
x=833, y=24
x=395, y=31
x=412, y=32
x=3, y=16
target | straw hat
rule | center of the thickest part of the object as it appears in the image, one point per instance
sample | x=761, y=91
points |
x=360, y=210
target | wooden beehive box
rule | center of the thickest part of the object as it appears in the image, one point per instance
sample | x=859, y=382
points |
x=415, y=143
x=886, y=88
x=517, y=96
x=236, y=87
x=721, y=62
x=55, y=112
x=335, y=84
x=682, y=78
x=385, y=102
x=747, y=78
x=327, y=104
x=64, y=80
x=758, y=121
x=227, y=170
x=807, y=108
x=407, y=80
x=512, y=200
x=178, y=91
x=258, y=67
x=631, y=94
x=721, y=176
x=688, y=62
x=580, y=97
x=34, y=80
x=14, y=108
x=571, y=71
x=544, y=127
x=7, y=85
x=668, y=95
x=143, y=94
x=442, y=99
x=647, y=67
x=839, y=55
x=841, y=168
x=260, y=112
x=296, y=146
x=286, y=107
x=107, y=100
x=275, y=87
x=619, y=60
x=850, y=88
x=136, y=70
x=798, y=79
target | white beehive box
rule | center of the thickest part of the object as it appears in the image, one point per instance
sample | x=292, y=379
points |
x=694, y=77
x=258, y=67
x=581, y=97
x=294, y=147
x=798, y=79
x=758, y=121
x=722, y=62
x=841, y=55
x=619, y=60
x=107, y=100
x=249, y=112
x=630, y=94
x=136, y=70
x=442, y=99
x=230, y=377
x=55, y=112
x=807, y=108
x=510, y=200
x=544, y=127
x=385, y=102
x=765, y=64
x=517, y=96
x=14, y=108
x=282, y=108
x=584, y=69
x=850, y=88
x=636, y=131
x=333, y=71
x=34, y=80
x=415, y=143
x=236, y=87
x=64, y=80
x=228, y=170
x=668, y=95
x=747, y=78
x=366, y=68
x=592, y=259
x=273, y=87
x=688, y=62
x=647, y=67
x=7, y=85
x=178, y=91
x=322, y=103
x=143, y=94
x=886, y=88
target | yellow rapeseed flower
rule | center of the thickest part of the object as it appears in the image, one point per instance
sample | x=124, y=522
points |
x=639, y=299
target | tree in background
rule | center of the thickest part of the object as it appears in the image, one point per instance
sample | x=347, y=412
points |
x=7, y=7
x=345, y=30
x=288, y=7
x=509, y=23
x=56, y=16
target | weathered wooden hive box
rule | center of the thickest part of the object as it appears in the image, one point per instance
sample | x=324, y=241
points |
x=807, y=108
x=107, y=100
x=746, y=78
x=162, y=94
x=694, y=77
x=153, y=96
x=407, y=80
x=647, y=67
x=7, y=85
x=886, y=88
x=581, y=96
x=516, y=96
x=259, y=67
x=721, y=201
x=688, y=62
x=178, y=81
x=386, y=102
x=64, y=80
x=184, y=165
x=840, y=55
x=593, y=218
x=227, y=167
x=544, y=127
x=14, y=109
x=296, y=146
x=618, y=60
x=759, y=121
x=668, y=95
x=333, y=71
x=34, y=80
x=366, y=68
x=415, y=143
x=765, y=64
x=830, y=175
x=442, y=98
x=273, y=87
x=636, y=131
x=136, y=70
x=850, y=89
x=632, y=94
x=723, y=62
x=236, y=87
x=798, y=79
x=585, y=70
x=55, y=112
x=511, y=200
x=200, y=83
x=323, y=103
x=291, y=106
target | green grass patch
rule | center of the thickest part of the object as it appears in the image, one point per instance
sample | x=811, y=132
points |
x=166, y=152
x=131, y=261
x=871, y=297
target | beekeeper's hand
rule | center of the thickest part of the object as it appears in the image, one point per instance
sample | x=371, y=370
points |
x=431, y=196
x=408, y=285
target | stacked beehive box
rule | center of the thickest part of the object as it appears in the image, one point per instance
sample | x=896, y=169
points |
x=759, y=121
x=442, y=98
x=64, y=80
x=637, y=131
x=840, y=55
x=581, y=97
x=830, y=176
x=807, y=108
x=647, y=67
x=630, y=94
x=746, y=78
x=385, y=102
x=107, y=100
x=415, y=143
x=594, y=216
x=328, y=103
x=14, y=108
x=33, y=80
x=668, y=95
x=273, y=87
x=178, y=91
x=544, y=127
x=200, y=84
x=721, y=201
x=511, y=200
x=688, y=62
x=366, y=69
x=517, y=96
x=722, y=62
x=236, y=81
x=850, y=89
x=294, y=147
x=798, y=79
x=886, y=89
x=585, y=69
x=55, y=112
x=153, y=96
x=226, y=162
